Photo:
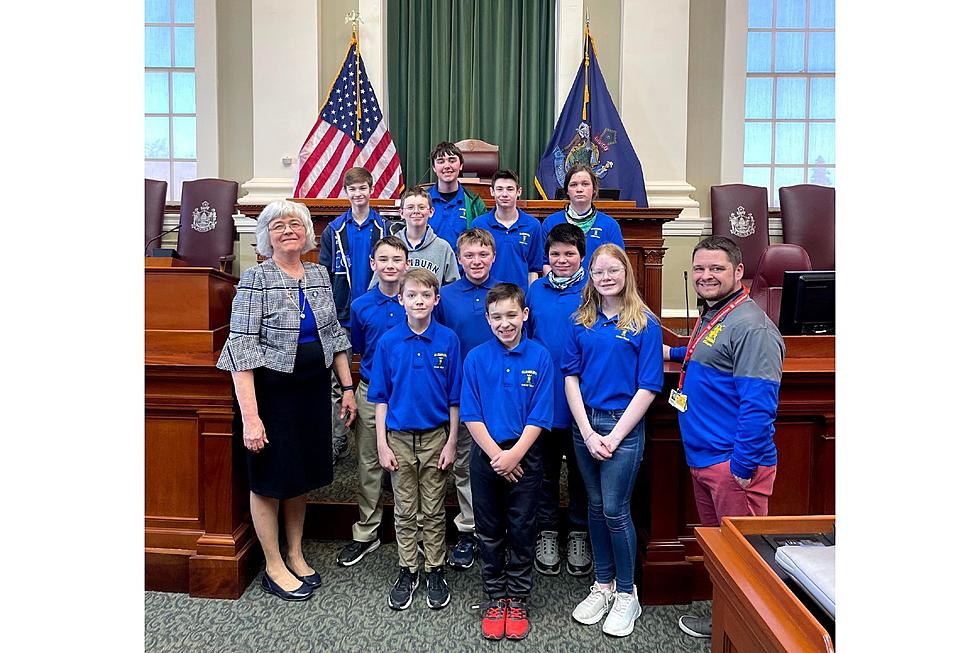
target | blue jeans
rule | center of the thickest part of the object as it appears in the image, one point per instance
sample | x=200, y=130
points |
x=609, y=485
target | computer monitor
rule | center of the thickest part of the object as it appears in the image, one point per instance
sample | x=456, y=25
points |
x=807, y=306
x=604, y=194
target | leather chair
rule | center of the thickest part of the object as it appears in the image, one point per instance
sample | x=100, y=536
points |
x=479, y=157
x=154, y=201
x=207, y=230
x=741, y=212
x=767, y=289
x=808, y=221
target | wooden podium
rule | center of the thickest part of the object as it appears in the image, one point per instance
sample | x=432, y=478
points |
x=198, y=535
x=752, y=609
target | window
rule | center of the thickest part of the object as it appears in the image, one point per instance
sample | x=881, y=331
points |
x=170, y=117
x=789, y=95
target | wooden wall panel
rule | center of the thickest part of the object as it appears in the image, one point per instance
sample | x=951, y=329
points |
x=171, y=460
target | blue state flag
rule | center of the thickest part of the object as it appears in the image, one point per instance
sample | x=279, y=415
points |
x=589, y=131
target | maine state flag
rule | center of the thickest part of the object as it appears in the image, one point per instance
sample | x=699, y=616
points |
x=589, y=131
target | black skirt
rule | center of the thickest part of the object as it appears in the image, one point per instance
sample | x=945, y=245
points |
x=295, y=409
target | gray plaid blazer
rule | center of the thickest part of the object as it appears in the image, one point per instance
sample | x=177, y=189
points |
x=265, y=321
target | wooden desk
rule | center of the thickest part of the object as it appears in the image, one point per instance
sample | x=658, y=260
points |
x=198, y=533
x=671, y=562
x=642, y=231
x=753, y=610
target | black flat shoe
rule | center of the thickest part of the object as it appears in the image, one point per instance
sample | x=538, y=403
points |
x=313, y=580
x=300, y=594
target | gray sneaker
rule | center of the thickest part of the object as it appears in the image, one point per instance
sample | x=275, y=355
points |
x=341, y=448
x=623, y=614
x=695, y=626
x=547, y=560
x=579, y=554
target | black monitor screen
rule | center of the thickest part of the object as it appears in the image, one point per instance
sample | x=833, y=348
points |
x=604, y=194
x=807, y=306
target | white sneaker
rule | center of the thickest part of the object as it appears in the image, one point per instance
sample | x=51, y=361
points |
x=624, y=613
x=595, y=605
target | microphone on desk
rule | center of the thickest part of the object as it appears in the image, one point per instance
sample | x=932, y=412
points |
x=159, y=236
x=687, y=310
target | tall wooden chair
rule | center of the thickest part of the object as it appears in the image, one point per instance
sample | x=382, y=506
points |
x=808, y=221
x=207, y=230
x=741, y=212
x=154, y=201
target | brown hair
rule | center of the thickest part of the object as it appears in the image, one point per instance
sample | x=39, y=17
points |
x=390, y=241
x=415, y=191
x=477, y=236
x=723, y=243
x=503, y=291
x=445, y=148
x=422, y=277
x=358, y=176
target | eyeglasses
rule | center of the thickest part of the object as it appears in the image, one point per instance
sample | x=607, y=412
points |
x=279, y=227
x=609, y=272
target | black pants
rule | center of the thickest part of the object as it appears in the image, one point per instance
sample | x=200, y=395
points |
x=505, y=523
x=554, y=444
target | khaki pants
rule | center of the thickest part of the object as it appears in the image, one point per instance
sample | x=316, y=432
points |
x=420, y=488
x=369, y=470
x=461, y=476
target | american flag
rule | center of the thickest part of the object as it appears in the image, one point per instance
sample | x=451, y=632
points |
x=350, y=131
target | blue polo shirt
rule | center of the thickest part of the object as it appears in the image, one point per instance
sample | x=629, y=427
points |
x=417, y=375
x=508, y=389
x=449, y=217
x=517, y=246
x=550, y=324
x=358, y=257
x=372, y=315
x=611, y=364
x=605, y=229
x=462, y=308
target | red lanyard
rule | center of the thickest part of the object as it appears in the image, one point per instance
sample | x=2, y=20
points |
x=728, y=308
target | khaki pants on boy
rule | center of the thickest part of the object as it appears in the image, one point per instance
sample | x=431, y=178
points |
x=461, y=477
x=420, y=488
x=369, y=470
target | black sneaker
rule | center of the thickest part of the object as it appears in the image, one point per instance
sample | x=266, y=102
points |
x=461, y=556
x=547, y=558
x=352, y=553
x=400, y=596
x=695, y=626
x=438, y=590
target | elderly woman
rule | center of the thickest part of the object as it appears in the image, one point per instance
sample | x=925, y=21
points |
x=284, y=339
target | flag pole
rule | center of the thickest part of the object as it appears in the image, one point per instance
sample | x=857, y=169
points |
x=354, y=18
x=585, y=96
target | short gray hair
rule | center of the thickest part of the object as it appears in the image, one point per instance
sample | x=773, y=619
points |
x=279, y=209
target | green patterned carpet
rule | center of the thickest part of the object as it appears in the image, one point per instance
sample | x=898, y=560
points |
x=350, y=613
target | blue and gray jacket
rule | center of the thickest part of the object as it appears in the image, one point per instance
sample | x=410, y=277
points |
x=335, y=255
x=732, y=388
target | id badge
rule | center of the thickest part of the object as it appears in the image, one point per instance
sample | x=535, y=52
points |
x=678, y=400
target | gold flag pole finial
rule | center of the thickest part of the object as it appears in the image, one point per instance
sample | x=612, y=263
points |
x=354, y=18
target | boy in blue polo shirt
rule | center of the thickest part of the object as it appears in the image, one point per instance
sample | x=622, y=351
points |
x=516, y=233
x=345, y=250
x=372, y=315
x=552, y=300
x=415, y=384
x=454, y=207
x=507, y=400
x=462, y=308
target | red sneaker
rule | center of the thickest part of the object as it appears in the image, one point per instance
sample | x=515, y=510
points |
x=517, y=625
x=494, y=618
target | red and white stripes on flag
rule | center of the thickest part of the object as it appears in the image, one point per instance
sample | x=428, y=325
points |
x=350, y=131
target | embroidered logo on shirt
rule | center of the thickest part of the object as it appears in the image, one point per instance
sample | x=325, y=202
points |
x=524, y=236
x=709, y=339
x=529, y=378
x=622, y=335
x=440, y=361
x=595, y=232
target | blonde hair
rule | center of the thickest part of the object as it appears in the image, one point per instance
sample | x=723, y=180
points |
x=635, y=314
x=422, y=277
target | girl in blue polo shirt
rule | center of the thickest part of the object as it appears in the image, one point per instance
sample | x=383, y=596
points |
x=582, y=188
x=613, y=368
